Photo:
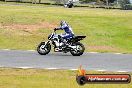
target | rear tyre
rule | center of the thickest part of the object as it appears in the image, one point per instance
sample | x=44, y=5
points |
x=79, y=50
x=43, y=49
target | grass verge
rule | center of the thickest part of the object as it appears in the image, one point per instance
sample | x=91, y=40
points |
x=38, y=78
x=24, y=26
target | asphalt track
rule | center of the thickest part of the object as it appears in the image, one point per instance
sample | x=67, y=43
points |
x=89, y=61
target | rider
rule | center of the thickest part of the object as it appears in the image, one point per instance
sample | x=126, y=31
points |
x=68, y=30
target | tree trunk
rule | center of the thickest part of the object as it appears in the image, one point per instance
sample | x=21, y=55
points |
x=34, y=2
x=39, y=1
x=107, y=2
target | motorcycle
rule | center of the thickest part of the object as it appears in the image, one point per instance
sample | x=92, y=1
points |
x=71, y=45
x=68, y=5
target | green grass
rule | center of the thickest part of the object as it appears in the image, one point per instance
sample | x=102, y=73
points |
x=106, y=30
x=37, y=78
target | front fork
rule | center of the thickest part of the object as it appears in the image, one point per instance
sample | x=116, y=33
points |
x=46, y=43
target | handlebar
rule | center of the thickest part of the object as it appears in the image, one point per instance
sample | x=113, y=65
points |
x=54, y=31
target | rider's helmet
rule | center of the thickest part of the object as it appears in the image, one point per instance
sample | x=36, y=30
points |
x=69, y=1
x=62, y=23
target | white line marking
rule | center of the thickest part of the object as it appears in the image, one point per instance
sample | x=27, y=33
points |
x=31, y=50
x=122, y=71
x=5, y=49
x=25, y=67
x=65, y=69
x=1, y=66
x=93, y=52
x=117, y=53
x=87, y=52
x=51, y=68
x=73, y=69
x=100, y=70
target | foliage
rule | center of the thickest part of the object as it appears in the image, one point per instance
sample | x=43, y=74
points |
x=86, y=1
x=128, y=7
x=125, y=4
x=98, y=1
x=59, y=1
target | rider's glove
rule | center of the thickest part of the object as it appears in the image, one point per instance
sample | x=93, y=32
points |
x=55, y=29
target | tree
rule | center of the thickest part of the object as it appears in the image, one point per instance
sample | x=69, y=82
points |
x=60, y=1
x=125, y=4
x=87, y=1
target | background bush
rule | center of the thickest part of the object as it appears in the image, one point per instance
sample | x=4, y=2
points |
x=125, y=5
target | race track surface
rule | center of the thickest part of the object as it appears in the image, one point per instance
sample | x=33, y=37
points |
x=89, y=61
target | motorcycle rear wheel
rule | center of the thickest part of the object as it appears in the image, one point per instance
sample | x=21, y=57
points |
x=78, y=51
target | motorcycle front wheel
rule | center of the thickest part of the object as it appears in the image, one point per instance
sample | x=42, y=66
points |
x=79, y=50
x=43, y=49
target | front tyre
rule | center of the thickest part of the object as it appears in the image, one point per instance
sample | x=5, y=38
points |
x=78, y=50
x=43, y=49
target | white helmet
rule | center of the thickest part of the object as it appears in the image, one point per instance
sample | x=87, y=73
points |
x=63, y=23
